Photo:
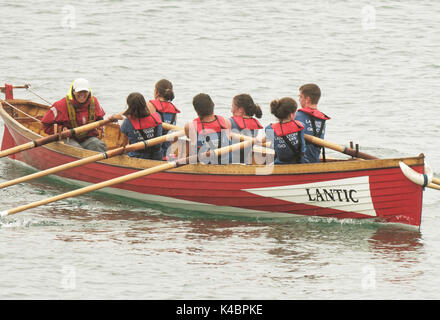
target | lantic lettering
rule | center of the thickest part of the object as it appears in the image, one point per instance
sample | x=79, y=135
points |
x=322, y=195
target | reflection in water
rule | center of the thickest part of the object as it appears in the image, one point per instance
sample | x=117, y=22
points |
x=401, y=252
x=391, y=241
x=212, y=229
x=394, y=240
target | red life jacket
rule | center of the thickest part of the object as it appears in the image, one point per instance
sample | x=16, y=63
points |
x=214, y=126
x=211, y=133
x=164, y=106
x=153, y=120
x=315, y=113
x=247, y=123
x=283, y=129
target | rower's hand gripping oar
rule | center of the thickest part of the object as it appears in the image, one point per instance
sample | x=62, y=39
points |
x=94, y=158
x=130, y=176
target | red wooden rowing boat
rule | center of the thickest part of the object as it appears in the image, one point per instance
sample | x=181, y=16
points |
x=342, y=189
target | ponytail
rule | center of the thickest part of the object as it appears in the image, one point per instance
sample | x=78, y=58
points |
x=246, y=102
x=283, y=107
x=258, y=112
x=164, y=89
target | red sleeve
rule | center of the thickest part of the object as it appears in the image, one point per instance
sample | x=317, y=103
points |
x=49, y=117
x=55, y=115
x=48, y=120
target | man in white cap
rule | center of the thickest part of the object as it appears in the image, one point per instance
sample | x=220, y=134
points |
x=78, y=108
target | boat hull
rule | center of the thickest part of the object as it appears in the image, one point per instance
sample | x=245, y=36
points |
x=371, y=189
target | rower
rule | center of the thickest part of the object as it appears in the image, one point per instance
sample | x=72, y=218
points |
x=209, y=131
x=312, y=119
x=243, y=122
x=141, y=125
x=163, y=95
x=78, y=108
x=287, y=134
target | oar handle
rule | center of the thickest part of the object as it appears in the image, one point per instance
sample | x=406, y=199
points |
x=91, y=126
x=433, y=186
x=336, y=147
x=74, y=131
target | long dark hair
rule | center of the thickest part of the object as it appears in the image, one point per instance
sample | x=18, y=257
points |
x=246, y=102
x=137, y=106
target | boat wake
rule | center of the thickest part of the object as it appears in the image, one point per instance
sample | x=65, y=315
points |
x=15, y=223
x=12, y=223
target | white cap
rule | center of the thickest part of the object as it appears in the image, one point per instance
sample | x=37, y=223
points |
x=81, y=85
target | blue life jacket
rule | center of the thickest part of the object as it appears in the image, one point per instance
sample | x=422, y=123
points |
x=247, y=127
x=168, y=113
x=211, y=136
x=314, y=125
x=144, y=129
x=288, y=141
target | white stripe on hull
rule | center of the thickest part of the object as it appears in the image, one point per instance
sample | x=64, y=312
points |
x=350, y=194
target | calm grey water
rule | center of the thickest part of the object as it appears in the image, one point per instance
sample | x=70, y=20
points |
x=377, y=63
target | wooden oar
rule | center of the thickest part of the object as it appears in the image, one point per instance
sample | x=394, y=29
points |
x=336, y=147
x=130, y=176
x=100, y=156
x=56, y=136
x=433, y=186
